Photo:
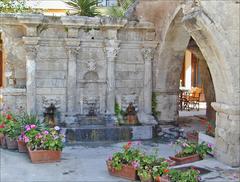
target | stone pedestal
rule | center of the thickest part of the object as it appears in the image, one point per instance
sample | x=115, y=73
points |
x=227, y=134
x=112, y=49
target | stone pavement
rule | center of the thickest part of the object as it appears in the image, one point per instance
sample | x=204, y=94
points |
x=86, y=163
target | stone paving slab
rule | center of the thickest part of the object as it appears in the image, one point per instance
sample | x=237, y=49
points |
x=86, y=163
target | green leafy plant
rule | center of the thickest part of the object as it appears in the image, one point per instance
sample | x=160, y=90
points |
x=14, y=6
x=190, y=148
x=83, y=7
x=210, y=128
x=129, y=156
x=119, y=11
x=154, y=104
x=190, y=175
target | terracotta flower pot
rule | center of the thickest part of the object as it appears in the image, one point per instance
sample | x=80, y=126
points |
x=148, y=179
x=170, y=162
x=185, y=160
x=127, y=172
x=162, y=179
x=22, y=146
x=11, y=143
x=44, y=156
x=3, y=142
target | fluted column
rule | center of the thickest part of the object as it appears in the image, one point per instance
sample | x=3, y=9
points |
x=72, y=80
x=31, y=48
x=112, y=49
x=148, y=57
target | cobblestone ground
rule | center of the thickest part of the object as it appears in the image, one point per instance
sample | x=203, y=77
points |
x=86, y=163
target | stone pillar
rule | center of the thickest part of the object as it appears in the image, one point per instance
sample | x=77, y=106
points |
x=148, y=54
x=227, y=134
x=72, y=78
x=31, y=48
x=112, y=49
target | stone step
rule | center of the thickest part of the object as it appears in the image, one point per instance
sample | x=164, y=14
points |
x=108, y=133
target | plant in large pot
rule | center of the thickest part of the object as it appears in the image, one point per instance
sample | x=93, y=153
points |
x=190, y=152
x=125, y=163
x=12, y=130
x=28, y=121
x=43, y=145
x=2, y=137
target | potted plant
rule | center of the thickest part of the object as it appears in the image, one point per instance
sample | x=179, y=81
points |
x=27, y=120
x=208, y=136
x=43, y=145
x=125, y=163
x=2, y=136
x=12, y=130
x=190, y=175
x=190, y=152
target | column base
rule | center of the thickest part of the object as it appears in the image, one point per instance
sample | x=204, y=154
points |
x=146, y=119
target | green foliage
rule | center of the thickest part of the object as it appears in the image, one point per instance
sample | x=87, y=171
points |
x=27, y=119
x=14, y=6
x=154, y=104
x=190, y=148
x=190, y=175
x=83, y=7
x=119, y=11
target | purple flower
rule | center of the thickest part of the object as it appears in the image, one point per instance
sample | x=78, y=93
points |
x=57, y=128
x=46, y=132
x=27, y=127
x=210, y=145
x=135, y=164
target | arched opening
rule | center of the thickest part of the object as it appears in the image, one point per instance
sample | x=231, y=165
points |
x=209, y=41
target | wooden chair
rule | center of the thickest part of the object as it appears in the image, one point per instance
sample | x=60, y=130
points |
x=194, y=98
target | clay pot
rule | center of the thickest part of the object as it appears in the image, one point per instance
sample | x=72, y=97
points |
x=185, y=160
x=22, y=146
x=11, y=143
x=162, y=179
x=44, y=156
x=127, y=172
x=148, y=179
x=3, y=141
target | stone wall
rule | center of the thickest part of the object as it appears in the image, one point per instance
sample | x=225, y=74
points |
x=78, y=62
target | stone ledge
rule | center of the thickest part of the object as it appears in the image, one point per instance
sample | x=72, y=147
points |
x=13, y=91
x=225, y=108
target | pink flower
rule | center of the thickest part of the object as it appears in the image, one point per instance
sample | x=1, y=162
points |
x=32, y=126
x=185, y=145
x=26, y=139
x=38, y=136
x=135, y=164
x=46, y=132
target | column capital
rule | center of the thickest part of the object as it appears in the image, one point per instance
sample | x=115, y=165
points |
x=225, y=108
x=148, y=53
x=112, y=48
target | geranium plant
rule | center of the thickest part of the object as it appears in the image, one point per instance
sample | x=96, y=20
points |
x=190, y=175
x=210, y=128
x=130, y=155
x=43, y=139
x=191, y=148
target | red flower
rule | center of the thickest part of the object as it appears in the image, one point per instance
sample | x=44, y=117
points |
x=128, y=145
x=2, y=126
x=9, y=117
x=166, y=171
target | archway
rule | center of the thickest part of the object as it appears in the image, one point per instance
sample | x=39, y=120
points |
x=209, y=40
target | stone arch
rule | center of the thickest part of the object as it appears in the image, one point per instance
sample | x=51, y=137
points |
x=91, y=75
x=216, y=51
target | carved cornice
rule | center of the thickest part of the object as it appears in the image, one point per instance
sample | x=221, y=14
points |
x=225, y=108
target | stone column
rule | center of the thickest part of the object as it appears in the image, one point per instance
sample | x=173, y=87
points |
x=72, y=80
x=31, y=48
x=148, y=54
x=112, y=49
x=227, y=134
